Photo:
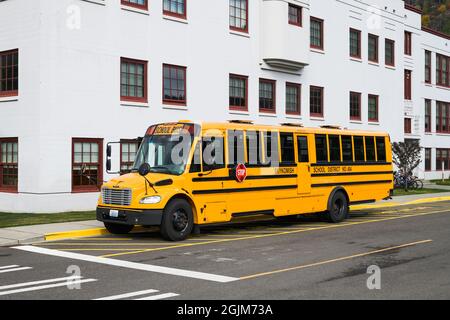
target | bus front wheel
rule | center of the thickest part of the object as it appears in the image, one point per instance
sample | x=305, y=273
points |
x=116, y=228
x=178, y=220
x=338, y=208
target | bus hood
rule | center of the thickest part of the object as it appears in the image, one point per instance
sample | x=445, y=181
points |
x=135, y=181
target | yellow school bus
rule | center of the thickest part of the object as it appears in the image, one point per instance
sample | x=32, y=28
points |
x=188, y=174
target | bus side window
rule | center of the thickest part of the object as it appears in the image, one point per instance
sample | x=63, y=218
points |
x=321, y=148
x=196, y=164
x=253, y=147
x=302, y=145
x=359, y=148
x=370, y=148
x=335, y=148
x=236, y=151
x=268, y=138
x=287, y=148
x=347, y=149
x=381, y=149
x=213, y=153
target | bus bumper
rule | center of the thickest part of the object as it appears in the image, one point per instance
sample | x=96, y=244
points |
x=143, y=218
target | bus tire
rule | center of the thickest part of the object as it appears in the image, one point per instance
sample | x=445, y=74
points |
x=116, y=228
x=178, y=220
x=337, y=208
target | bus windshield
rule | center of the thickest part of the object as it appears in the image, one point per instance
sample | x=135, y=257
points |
x=165, y=153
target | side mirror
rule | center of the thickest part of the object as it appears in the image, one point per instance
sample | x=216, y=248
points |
x=144, y=169
x=108, y=165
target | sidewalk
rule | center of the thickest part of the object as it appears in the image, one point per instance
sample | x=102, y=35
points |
x=45, y=232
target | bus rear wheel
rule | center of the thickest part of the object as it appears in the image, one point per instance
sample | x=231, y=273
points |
x=338, y=208
x=116, y=228
x=178, y=220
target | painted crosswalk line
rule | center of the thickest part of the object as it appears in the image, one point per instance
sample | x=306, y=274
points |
x=13, y=268
x=48, y=286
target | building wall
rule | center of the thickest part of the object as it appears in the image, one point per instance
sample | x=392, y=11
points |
x=70, y=54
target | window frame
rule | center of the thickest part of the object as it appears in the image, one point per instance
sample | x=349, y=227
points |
x=427, y=115
x=440, y=159
x=172, y=101
x=9, y=189
x=407, y=125
x=428, y=160
x=408, y=84
x=359, y=96
x=298, y=86
x=273, y=83
x=408, y=43
x=359, y=45
x=440, y=71
x=376, y=49
x=322, y=33
x=299, y=21
x=322, y=99
x=175, y=14
x=392, y=42
x=143, y=99
x=428, y=66
x=233, y=28
x=88, y=188
x=377, y=108
x=440, y=106
x=240, y=77
x=135, y=5
x=10, y=93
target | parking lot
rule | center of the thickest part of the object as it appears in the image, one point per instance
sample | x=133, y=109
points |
x=303, y=258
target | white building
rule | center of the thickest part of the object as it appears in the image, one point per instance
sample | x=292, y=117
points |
x=63, y=96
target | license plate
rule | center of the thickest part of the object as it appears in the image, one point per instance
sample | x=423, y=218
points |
x=114, y=213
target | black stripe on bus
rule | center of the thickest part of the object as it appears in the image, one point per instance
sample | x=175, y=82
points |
x=214, y=191
x=207, y=179
x=350, y=174
x=319, y=185
x=349, y=164
x=253, y=213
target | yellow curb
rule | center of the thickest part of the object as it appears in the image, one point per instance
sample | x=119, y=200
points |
x=80, y=233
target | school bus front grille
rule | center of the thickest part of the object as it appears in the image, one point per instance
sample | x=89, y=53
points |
x=119, y=197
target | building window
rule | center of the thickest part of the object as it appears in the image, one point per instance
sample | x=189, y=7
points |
x=373, y=108
x=427, y=115
x=9, y=73
x=442, y=70
x=427, y=66
x=87, y=169
x=316, y=33
x=316, y=101
x=442, y=117
x=9, y=164
x=295, y=15
x=442, y=158
x=293, y=98
x=407, y=126
x=390, y=52
x=128, y=150
x=175, y=8
x=373, y=48
x=174, y=87
x=239, y=15
x=355, y=106
x=355, y=43
x=408, y=43
x=427, y=159
x=408, y=75
x=267, y=95
x=238, y=92
x=133, y=80
x=140, y=4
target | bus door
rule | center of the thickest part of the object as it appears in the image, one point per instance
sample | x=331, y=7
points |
x=303, y=165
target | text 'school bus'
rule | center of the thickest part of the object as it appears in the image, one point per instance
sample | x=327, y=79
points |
x=188, y=174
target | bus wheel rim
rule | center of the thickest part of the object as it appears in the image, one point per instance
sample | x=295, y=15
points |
x=180, y=220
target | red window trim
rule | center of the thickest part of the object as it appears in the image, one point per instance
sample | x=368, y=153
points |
x=274, y=96
x=244, y=30
x=408, y=84
x=8, y=189
x=440, y=159
x=428, y=68
x=430, y=159
x=245, y=78
x=377, y=46
x=428, y=117
x=86, y=189
x=407, y=125
x=358, y=32
x=313, y=114
x=408, y=43
x=377, y=99
x=10, y=93
x=322, y=29
x=439, y=70
x=177, y=15
x=299, y=22
x=299, y=98
x=440, y=118
x=393, y=52
x=135, y=5
x=145, y=88
x=171, y=101
x=358, y=94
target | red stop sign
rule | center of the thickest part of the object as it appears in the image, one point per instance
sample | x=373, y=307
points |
x=241, y=172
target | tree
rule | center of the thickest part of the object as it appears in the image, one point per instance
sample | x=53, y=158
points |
x=406, y=156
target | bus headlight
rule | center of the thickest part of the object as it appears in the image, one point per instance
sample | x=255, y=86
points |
x=150, y=200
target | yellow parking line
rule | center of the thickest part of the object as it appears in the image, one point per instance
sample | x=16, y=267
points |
x=107, y=244
x=280, y=233
x=333, y=260
x=95, y=249
x=104, y=239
